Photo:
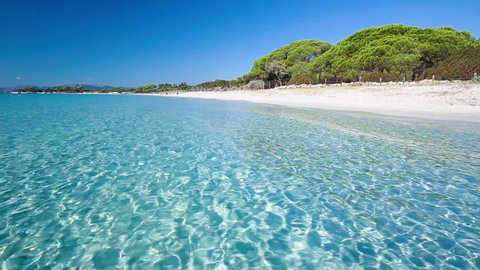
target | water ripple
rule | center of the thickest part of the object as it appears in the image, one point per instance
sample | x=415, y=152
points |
x=126, y=182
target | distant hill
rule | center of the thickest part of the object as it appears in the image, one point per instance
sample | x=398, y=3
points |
x=9, y=89
x=79, y=86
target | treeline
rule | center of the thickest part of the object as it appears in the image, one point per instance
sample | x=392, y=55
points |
x=149, y=88
x=54, y=89
x=387, y=53
x=155, y=88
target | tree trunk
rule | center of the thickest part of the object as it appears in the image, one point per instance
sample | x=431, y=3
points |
x=278, y=79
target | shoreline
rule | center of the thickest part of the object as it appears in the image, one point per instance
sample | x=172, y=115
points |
x=430, y=100
x=452, y=101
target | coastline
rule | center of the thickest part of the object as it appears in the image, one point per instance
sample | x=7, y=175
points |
x=457, y=101
x=450, y=101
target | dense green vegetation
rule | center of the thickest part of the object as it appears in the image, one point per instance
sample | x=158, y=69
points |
x=459, y=65
x=55, y=89
x=215, y=84
x=163, y=87
x=152, y=88
x=74, y=88
x=388, y=53
x=391, y=52
x=149, y=88
x=289, y=63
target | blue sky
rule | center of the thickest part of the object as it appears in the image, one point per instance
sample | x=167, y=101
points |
x=128, y=43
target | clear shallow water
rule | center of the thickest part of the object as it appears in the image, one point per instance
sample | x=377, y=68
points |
x=148, y=182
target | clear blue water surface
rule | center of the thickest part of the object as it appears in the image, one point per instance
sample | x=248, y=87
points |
x=138, y=182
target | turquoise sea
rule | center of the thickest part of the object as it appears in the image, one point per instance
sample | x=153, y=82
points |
x=139, y=182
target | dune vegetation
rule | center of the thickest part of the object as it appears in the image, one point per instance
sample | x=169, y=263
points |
x=460, y=65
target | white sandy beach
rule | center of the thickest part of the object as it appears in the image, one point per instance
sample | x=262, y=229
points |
x=459, y=101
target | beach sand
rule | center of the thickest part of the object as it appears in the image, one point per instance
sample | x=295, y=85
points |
x=458, y=101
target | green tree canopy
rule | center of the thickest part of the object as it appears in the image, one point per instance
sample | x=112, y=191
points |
x=301, y=73
x=393, y=49
x=215, y=84
x=149, y=88
x=277, y=65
